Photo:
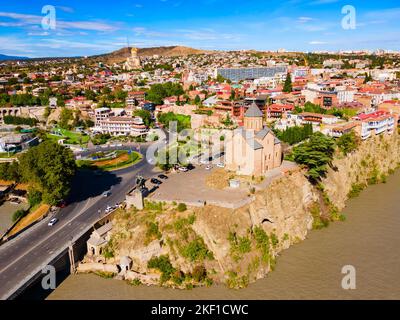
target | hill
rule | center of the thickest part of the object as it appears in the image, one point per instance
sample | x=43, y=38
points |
x=173, y=51
x=4, y=57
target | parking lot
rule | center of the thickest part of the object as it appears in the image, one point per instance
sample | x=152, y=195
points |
x=191, y=187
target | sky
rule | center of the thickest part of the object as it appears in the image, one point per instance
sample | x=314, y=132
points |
x=84, y=28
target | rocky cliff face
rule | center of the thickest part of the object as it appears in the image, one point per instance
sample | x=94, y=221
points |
x=239, y=246
x=370, y=163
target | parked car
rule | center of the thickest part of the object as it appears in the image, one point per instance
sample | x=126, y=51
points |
x=106, y=194
x=109, y=209
x=155, y=181
x=52, y=222
x=209, y=167
x=62, y=204
x=183, y=169
x=15, y=201
x=162, y=176
x=220, y=165
x=204, y=161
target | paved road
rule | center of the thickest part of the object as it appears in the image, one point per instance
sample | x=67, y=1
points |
x=28, y=251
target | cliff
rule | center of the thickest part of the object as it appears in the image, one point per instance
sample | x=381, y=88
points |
x=369, y=164
x=199, y=246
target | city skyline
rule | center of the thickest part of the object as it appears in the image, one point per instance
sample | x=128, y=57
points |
x=295, y=25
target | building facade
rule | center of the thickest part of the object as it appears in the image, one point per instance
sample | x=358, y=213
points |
x=253, y=149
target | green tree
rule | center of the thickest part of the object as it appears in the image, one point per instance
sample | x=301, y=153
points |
x=348, y=142
x=287, y=87
x=145, y=115
x=316, y=154
x=48, y=168
x=65, y=117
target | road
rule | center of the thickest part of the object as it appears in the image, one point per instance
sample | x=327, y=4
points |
x=20, y=256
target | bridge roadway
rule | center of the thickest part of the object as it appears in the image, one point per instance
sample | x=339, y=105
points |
x=34, y=248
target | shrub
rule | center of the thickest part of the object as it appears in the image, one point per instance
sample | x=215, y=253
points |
x=150, y=205
x=163, y=264
x=135, y=282
x=262, y=241
x=318, y=221
x=105, y=275
x=348, y=142
x=34, y=197
x=199, y=273
x=196, y=250
x=18, y=215
x=239, y=245
x=182, y=207
x=153, y=231
x=355, y=190
x=274, y=240
x=178, y=277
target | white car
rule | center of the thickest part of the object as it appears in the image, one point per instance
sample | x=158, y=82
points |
x=204, y=161
x=183, y=169
x=209, y=167
x=106, y=194
x=52, y=222
x=220, y=165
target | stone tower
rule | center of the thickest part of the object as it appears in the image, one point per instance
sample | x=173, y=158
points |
x=253, y=118
x=133, y=62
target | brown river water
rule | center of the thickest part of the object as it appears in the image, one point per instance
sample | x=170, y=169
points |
x=369, y=240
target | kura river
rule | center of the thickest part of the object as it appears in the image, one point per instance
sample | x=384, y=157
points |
x=369, y=240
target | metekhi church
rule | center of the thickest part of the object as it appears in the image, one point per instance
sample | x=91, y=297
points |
x=253, y=149
x=133, y=62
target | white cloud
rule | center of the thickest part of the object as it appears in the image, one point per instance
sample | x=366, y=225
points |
x=38, y=33
x=27, y=20
x=66, y=9
x=304, y=19
x=317, y=42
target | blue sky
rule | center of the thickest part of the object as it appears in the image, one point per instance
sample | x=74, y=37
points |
x=92, y=27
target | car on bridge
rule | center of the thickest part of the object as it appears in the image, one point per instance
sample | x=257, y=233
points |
x=106, y=194
x=52, y=222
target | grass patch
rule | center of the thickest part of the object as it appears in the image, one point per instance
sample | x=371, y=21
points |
x=122, y=160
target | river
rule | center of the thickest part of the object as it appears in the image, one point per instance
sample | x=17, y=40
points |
x=369, y=240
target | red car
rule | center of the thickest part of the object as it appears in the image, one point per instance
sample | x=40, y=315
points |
x=62, y=204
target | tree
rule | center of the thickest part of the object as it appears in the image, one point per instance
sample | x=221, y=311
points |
x=197, y=100
x=20, y=120
x=158, y=92
x=90, y=95
x=145, y=115
x=48, y=168
x=287, y=87
x=9, y=171
x=65, y=117
x=348, y=142
x=12, y=81
x=315, y=154
x=367, y=78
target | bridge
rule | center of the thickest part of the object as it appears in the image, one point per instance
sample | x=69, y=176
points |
x=23, y=258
